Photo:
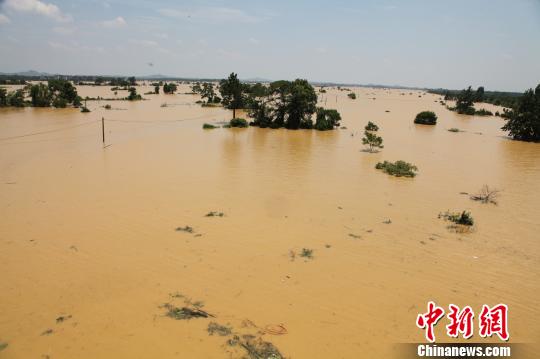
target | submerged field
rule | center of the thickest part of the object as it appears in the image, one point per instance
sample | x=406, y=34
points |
x=89, y=234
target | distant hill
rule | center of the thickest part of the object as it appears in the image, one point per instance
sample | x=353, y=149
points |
x=155, y=77
x=30, y=73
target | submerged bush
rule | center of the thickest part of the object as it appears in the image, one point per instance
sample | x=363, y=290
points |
x=464, y=218
x=426, y=118
x=208, y=126
x=238, y=122
x=352, y=96
x=453, y=129
x=483, y=112
x=466, y=111
x=398, y=168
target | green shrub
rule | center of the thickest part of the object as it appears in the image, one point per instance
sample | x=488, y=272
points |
x=398, y=168
x=453, y=129
x=85, y=109
x=426, y=118
x=208, y=126
x=352, y=96
x=238, y=122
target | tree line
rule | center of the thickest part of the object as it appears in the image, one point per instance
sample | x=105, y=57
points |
x=498, y=98
x=56, y=93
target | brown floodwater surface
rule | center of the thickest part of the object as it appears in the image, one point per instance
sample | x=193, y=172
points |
x=89, y=232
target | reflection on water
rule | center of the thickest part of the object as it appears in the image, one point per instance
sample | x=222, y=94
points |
x=89, y=232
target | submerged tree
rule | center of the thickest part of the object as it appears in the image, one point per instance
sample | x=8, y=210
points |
x=290, y=105
x=3, y=97
x=327, y=119
x=207, y=92
x=16, y=98
x=465, y=101
x=133, y=95
x=40, y=95
x=169, y=88
x=479, y=95
x=426, y=118
x=301, y=101
x=370, y=137
x=523, y=121
x=232, y=92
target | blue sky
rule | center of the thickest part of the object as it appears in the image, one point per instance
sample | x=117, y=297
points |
x=431, y=43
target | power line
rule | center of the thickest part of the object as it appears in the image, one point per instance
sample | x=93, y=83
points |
x=44, y=132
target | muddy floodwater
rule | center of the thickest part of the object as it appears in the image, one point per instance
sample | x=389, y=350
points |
x=89, y=250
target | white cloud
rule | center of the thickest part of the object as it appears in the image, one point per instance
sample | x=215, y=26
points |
x=4, y=19
x=389, y=7
x=115, y=23
x=74, y=46
x=145, y=43
x=161, y=35
x=63, y=30
x=38, y=7
x=212, y=14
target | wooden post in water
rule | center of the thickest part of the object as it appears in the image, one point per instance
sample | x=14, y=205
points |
x=103, y=129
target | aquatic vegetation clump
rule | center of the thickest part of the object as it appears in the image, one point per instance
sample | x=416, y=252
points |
x=221, y=330
x=306, y=253
x=238, y=122
x=187, y=229
x=352, y=96
x=426, y=118
x=453, y=129
x=398, y=168
x=184, y=313
x=214, y=214
x=208, y=126
x=464, y=218
x=256, y=347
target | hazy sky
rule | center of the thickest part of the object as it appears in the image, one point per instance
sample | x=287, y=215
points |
x=432, y=43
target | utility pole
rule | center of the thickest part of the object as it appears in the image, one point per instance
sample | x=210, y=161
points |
x=103, y=129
